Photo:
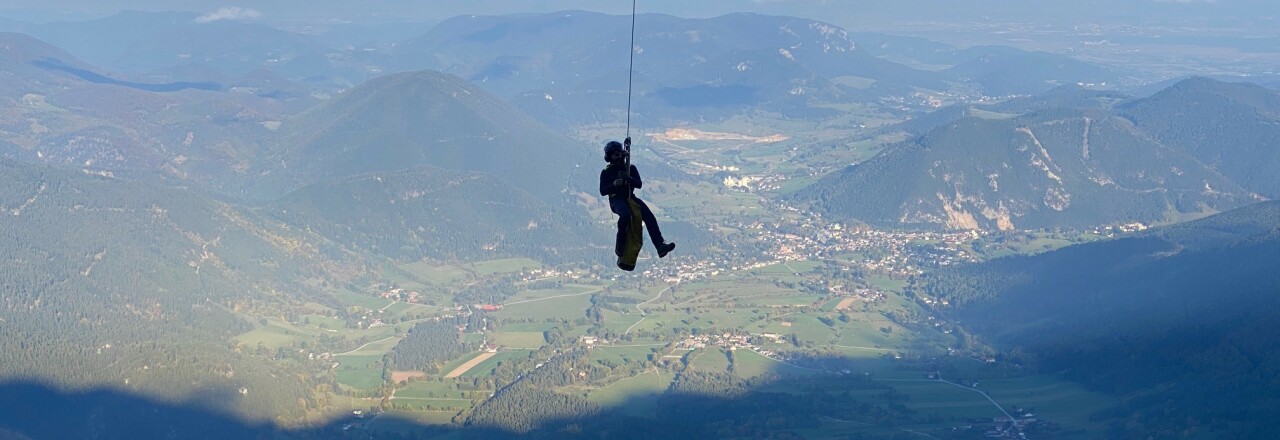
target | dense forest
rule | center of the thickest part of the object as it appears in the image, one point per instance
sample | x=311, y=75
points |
x=429, y=344
x=139, y=288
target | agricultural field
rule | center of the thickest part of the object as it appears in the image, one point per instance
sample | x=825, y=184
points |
x=487, y=365
x=518, y=339
x=566, y=307
x=455, y=366
x=633, y=391
x=359, y=372
x=622, y=354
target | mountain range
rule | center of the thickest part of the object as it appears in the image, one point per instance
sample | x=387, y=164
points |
x=686, y=69
x=1083, y=159
x=151, y=42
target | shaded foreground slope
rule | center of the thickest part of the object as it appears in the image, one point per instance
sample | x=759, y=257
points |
x=1180, y=320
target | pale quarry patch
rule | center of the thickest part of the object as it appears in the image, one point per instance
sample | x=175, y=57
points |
x=1057, y=199
x=693, y=134
x=957, y=216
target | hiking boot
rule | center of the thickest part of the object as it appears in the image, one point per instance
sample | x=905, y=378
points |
x=665, y=248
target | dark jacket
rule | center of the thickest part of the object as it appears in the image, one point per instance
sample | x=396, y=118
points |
x=615, y=172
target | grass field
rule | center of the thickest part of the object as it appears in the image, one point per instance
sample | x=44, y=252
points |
x=618, y=355
x=363, y=300
x=276, y=334
x=747, y=363
x=787, y=269
x=438, y=274
x=807, y=328
x=510, y=265
x=633, y=391
x=1052, y=399
x=323, y=322
x=377, y=347
x=435, y=404
x=409, y=422
x=536, y=295
x=571, y=307
x=527, y=327
x=360, y=372
x=863, y=334
x=518, y=339
x=886, y=283
x=427, y=389
x=712, y=360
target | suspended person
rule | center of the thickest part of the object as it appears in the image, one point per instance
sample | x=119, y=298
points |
x=618, y=180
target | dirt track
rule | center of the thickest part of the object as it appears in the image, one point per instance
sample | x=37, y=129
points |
x=462, y=369
x=844, y=304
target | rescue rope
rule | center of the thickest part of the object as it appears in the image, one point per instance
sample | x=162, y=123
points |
x=631, y=68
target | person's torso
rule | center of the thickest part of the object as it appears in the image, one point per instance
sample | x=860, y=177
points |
x=612, y=173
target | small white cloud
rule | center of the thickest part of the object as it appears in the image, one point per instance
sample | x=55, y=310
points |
x=230, y=13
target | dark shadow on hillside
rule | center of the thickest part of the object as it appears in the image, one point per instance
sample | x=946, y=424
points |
x=706, y=406
x=52, y=64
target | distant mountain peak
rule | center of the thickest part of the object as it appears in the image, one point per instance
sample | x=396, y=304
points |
x=411, y=119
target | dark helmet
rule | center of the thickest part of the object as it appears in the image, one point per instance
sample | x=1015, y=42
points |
x=613, y=147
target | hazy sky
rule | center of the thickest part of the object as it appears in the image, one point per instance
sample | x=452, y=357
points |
x=909, y=17
x=840, y=11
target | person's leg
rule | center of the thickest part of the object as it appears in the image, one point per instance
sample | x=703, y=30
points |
x=619, y=207
x=655, y=233
x=650, y=223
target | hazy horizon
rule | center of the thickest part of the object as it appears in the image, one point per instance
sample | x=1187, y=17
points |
x=841, y=12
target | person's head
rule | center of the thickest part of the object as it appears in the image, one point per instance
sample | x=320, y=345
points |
x=614, y=153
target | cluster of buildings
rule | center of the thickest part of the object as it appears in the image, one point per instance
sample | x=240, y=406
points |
x=401, y=295
x=1113, y=230
x=1005, y=428
x=861, y=293
x=730, y=341
x=542, y=274
x=889, y=252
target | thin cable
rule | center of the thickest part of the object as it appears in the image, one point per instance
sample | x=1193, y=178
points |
x=631, y=69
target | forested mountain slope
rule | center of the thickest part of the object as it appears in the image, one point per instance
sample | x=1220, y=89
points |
x=1233, y=127
x=434, y=213
x=1068, y=158
x=1053, y=168
x=112, y=282
x=399, y=121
